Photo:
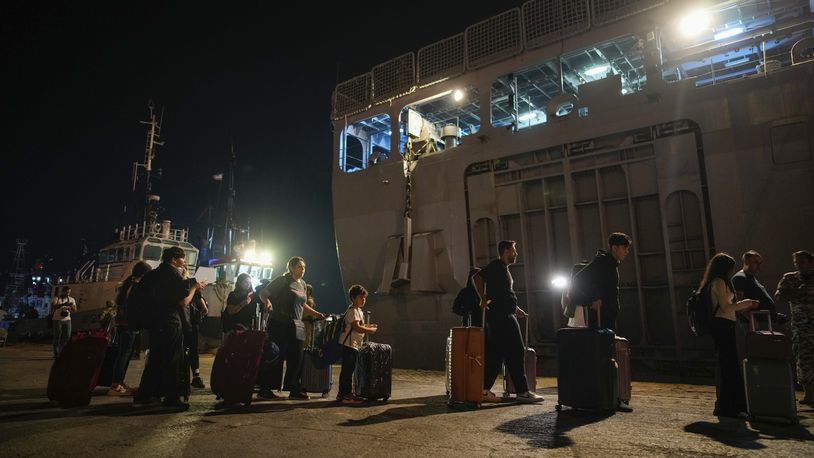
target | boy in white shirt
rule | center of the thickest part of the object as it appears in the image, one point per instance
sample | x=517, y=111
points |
x=351, y=338
x=61, y=310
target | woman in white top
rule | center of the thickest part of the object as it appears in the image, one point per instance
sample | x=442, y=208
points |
x=61, y=310
x=731, y=399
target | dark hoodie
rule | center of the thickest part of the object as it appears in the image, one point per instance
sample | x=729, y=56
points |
x=600, y=280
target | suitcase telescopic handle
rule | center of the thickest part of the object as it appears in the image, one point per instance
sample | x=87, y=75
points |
x=752, y=314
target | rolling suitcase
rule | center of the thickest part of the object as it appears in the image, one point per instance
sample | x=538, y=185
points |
x=315, y=379
x=236, y=366
x=467, y=364
x=586, y=369
x=623, y=373
x=75, y=372
x=768, y=379
x=374, y=367
x=766, y=344
x=106, y=372
x=530, y=362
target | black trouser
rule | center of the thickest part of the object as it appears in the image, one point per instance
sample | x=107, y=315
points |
x=191, y=342
x=729, y=381
x=160, y=376
x=607, y=315
x=291, y=351
x=504, y=342
x=349, y=356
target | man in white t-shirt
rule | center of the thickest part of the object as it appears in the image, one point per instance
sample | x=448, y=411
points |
x=61, y=309
x=351, y=338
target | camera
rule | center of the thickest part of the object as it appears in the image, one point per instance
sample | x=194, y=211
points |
x=64, y=313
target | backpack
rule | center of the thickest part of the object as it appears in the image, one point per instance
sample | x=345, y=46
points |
x=327, y=347
x=574, y=295
x=466, y=302
x=141, y=303
x=699, y=311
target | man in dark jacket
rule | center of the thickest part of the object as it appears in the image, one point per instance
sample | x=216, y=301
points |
x=169, y=294
x=598, y=284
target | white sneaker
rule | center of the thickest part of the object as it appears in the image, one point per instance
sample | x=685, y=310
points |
x=528, y=397
x=488, y=396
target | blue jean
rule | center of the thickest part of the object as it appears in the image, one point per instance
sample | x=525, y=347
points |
x=62, y=333
x=126, y=337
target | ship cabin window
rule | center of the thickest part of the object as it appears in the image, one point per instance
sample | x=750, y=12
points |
x=257, y=272
x=738, y=43
x=152, y=253
x=526, y=97
x=440, y=121
x=365, y=143
x=192, y=257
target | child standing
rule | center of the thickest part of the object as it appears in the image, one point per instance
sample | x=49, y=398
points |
x=351, y=338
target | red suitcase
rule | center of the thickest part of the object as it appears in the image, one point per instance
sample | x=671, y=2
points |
x=530, y=362
x=467, y=360
x=236, y=365
x=74, y=374
x=623, y=374
x=766, y=344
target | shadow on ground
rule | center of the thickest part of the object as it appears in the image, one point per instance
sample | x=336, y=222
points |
x=548, y=430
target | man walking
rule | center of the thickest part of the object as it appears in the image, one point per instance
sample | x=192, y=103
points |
x=494, y=285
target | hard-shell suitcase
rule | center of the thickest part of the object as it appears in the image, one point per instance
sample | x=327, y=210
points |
x=75, y=372
x=586, y=369
x=530, y=363
x=766, y=344
x=374, y=367
x=769, y=389
x=315, y=379
x=467, y=364
x=624, y=376
x=106, y=372
x=236, y=365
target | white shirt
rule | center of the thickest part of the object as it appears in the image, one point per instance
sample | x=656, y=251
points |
x=353, y=315
x=65, y=303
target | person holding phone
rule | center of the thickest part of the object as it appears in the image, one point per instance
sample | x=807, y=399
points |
x=61, y=310
x=239, y=312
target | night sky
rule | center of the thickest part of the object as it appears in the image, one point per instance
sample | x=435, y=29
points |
x=77, y=80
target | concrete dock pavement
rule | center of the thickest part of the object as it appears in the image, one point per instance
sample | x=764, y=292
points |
x=668, y=420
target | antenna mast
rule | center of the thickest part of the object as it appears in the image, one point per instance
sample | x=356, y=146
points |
x=153, y=134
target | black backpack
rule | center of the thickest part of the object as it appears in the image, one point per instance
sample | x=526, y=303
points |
x=141, y=303
x=699, y=311
x=466, y=302
x=576, y=294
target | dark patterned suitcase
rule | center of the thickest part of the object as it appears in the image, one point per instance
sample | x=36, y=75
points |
x=769, y=389
x=374, y=368
x=75, y=372
x=586, y=369
x=236, y=365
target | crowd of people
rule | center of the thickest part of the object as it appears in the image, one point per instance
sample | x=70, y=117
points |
x=283, y=302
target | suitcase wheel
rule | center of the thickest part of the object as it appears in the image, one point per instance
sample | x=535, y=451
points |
x=558, y=407
x=324, y=394
x=384, y=399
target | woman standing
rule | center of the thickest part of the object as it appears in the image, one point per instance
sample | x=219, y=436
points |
x=731, y=399
x=239, y=313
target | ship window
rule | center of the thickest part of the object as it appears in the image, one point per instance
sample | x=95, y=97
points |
x=191, y=258
x=791, y=143
x=440, y=121
x=365, y=143
x=753, y=56
x=152, y=252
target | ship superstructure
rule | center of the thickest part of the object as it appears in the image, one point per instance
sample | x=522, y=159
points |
x=686, y=125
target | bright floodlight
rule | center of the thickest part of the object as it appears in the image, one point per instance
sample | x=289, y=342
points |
x=265, y=257
x=694, y=23
x=728, y=33
x=248, y=256
x=559, y=282
x=458, y=95
x=599, y=69
x=528, y=116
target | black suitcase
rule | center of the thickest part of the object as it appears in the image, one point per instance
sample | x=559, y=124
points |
x=586, y=369
x=373, y=374
x=315, y=379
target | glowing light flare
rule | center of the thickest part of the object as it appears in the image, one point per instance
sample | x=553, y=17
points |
x=597, y=70
x=728, y=33
x=458, y=95
x=559, y=282
x=694, y=23
x=265, y=257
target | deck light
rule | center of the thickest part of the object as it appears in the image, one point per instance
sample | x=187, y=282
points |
x=458, y=95
x=728, y=33
x=528, y=116
x=597, y=70
x=559, y=282
x=265, y=257
x=694, y=22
